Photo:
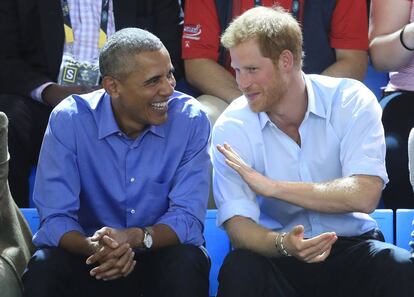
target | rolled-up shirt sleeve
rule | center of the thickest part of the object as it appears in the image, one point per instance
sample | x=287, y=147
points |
x=363, y=141
x=57, y=186
x=189, y=194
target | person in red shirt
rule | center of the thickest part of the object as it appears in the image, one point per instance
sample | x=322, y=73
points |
x=335, y=43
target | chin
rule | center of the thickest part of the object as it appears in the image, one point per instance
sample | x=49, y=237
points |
x=255, y=107
x=159, y=120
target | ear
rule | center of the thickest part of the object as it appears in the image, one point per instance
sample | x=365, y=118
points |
x=111, y=86
x=286, y=60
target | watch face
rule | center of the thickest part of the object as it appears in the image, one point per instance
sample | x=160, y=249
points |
x=147, y=240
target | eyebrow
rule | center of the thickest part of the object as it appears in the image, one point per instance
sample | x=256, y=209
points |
x=156, y=77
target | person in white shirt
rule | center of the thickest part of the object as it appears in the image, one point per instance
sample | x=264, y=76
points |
x=298, y=166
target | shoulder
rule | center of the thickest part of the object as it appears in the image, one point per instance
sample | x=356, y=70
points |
x=237, y=113
x=74, y=107
x=343, y=94
x=185, y=108
x=237, y=122
x=345, y=102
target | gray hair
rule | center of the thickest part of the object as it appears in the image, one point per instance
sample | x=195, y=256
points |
x=115, y=56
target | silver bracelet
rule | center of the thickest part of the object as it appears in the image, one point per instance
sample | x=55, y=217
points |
x=282, y=247
x=277, y=244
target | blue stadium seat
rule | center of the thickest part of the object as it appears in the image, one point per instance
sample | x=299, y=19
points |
x=217, y=242
x=404, y=219
x=218, y=246
x=32, y=217
x=385, y=221
x=32, y=178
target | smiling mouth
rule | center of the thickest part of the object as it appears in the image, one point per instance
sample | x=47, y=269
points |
x=159, y=105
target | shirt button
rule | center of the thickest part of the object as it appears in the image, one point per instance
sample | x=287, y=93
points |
x=132, y=211
x=132, y=179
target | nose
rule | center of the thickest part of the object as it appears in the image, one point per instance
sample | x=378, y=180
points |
x=243, y=80
x=168, y=86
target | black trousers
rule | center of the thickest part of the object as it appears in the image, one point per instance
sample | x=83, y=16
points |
x=176, y=271
x=357, y=266
x=27, y=124
x=398, y=119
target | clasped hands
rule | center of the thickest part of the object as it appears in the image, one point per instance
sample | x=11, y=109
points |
x=112, y=254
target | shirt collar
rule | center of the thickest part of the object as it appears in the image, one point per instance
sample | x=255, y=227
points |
x=105, y=118
x=314, y=106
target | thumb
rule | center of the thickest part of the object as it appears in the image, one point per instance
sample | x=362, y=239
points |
x=298, y=231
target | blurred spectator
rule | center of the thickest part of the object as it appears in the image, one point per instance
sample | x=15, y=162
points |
x=15, y=235
x=391, y=35
x=335, y=43
x=31, y=60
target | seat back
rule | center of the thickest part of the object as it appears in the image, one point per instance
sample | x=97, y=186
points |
x=404, y=219
x=218, y=246
x=32, y=217
x=385, y=221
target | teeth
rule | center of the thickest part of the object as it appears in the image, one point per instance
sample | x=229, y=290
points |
x=159, y=105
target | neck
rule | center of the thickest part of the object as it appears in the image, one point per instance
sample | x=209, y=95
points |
x=293, y=105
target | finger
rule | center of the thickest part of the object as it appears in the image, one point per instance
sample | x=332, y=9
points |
x=317, y=239
x=113, y=277
x=101, y=269
x=229, y=153
x=320, y=258
x=114, y=270
x=298, y=230
x=125, y=260
x=109, y=274
x=98, y=256
x=130, y=269
x=223, y=150
x=109, y=241
x=317, y=249
x=233, y=165
x=100, y=233
x=115, y=266
x=127, y=266
x=117, y=253
x=233, y=154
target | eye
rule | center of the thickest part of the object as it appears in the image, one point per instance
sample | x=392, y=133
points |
x=251, y=69
x=170, y=74
x=152, y=81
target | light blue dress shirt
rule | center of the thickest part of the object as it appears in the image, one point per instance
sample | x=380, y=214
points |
x=341, y=135
x=91, y=175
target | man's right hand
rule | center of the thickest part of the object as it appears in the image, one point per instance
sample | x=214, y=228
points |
x=55, y=93
x=113, y=253
x=312, y=250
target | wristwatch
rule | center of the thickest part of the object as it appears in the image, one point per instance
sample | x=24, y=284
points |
x=147, y=241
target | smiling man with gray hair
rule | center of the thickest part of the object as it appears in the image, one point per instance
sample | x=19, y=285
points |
x=122, y=183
